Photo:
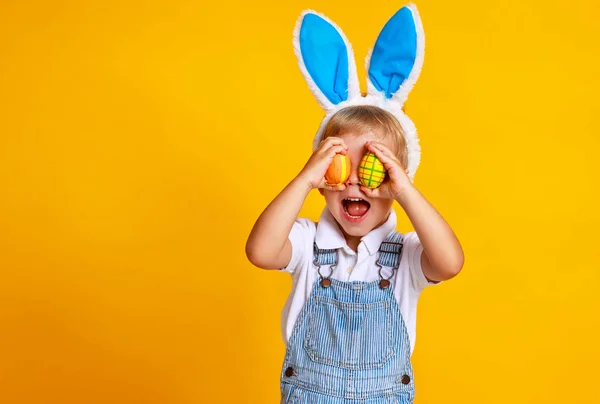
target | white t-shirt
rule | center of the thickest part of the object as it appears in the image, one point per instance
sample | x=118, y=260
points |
x=408, y=282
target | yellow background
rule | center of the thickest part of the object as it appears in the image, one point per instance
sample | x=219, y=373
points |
x=139, y=142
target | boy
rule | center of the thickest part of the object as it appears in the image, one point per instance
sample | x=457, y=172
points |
x=349, y=322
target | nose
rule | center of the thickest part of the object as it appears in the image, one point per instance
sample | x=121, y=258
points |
x=353, y=178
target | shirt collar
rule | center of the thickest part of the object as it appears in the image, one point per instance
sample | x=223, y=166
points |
x=329, y=235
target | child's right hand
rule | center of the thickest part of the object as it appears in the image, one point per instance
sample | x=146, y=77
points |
x=317, y=165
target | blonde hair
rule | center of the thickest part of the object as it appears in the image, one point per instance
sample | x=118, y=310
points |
x=359, y=119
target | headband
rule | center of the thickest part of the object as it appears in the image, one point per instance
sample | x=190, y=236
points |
x=393, y=66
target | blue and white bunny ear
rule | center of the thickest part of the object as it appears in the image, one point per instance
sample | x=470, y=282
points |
x=326, y=59
x=395, y=62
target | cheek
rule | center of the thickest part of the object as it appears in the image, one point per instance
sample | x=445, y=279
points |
x=330, y=196
x=381, y=205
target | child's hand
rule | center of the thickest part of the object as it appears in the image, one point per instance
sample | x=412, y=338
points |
x=316, y=167
x=397, y=180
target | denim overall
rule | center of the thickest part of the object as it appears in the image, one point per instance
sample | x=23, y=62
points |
x=350, y=343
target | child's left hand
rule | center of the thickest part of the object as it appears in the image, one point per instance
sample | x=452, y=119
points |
x=397, y=180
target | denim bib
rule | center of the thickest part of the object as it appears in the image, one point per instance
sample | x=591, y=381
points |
x=350, y=343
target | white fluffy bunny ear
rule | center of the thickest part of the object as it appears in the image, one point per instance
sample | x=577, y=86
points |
x=395, y=62
x=326, y=59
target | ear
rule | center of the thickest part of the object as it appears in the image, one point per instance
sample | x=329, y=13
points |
x=326, y=59
x=395, y=62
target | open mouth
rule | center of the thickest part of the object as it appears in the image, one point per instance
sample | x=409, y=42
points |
x=355, y=208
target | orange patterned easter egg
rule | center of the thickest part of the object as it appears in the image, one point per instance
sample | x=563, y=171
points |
x=339, y=170
x=371, y=171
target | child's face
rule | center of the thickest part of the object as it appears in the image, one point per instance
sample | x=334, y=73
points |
x=378, y=208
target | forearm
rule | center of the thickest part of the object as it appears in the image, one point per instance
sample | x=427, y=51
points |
x=437, y=238
x=271, y=230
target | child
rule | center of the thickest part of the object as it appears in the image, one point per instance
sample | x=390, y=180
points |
x=349, y=322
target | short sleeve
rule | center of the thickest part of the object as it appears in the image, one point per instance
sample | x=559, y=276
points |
x=413, y=248
x=301, y=236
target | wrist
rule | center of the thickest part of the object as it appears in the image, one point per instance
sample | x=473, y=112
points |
x=303, y=182
x=405, y=194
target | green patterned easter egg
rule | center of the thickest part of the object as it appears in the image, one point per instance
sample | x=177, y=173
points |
x=371, y=172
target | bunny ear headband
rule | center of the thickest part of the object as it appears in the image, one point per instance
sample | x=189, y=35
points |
x=393, y=65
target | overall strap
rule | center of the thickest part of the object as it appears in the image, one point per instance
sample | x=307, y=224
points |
x=325, y=257
x=390, y=252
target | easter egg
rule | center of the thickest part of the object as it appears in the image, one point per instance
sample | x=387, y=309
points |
x=371, y=172
x=339, y=170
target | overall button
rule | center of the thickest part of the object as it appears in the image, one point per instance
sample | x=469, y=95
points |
x=289, y=372
x=405, y=379
x=350, y=270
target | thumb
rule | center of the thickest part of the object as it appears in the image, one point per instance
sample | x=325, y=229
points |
x=371, y=193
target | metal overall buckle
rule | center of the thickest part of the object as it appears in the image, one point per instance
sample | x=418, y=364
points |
x=326, y=280
x=388, y=247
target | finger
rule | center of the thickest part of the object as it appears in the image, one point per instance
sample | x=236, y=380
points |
x=330, y=187
x=376, y=147
x=333, y=150
x=332, y=140
x=391, y=163
x=387, y=162
x=383, y=149
x=342, y=145
x=371, y=193
x=377, y=144
x=367, y=191
x=381, y=191
x=327, y=148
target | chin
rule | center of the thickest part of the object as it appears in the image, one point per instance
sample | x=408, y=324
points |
x=356, y=232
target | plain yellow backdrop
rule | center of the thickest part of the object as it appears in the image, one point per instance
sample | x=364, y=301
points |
x=140, y=140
